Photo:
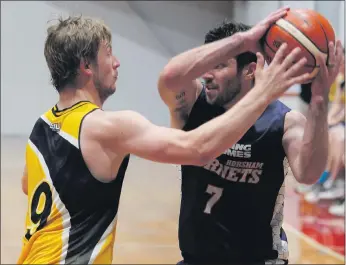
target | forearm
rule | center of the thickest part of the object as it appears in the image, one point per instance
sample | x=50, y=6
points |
x=188, y=66
x=219, y=134
x=313, y=153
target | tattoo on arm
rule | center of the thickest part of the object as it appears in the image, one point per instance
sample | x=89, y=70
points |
x=180, y=96
x=182, y=106
x=181, y=103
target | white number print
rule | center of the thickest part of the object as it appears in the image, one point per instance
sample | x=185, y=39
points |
x=216, y=195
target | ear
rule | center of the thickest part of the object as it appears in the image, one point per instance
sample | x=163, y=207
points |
x=85, y=67
x=249, y=71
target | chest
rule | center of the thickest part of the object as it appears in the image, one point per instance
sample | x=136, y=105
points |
x=254, y=163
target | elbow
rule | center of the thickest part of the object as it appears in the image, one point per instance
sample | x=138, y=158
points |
x=201, y=151
x=202, y=159
x=25, y=187
x=169, y=78
x=201, y=156
x=25, y=191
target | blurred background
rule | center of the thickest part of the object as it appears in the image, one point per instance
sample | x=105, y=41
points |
x=146, y=34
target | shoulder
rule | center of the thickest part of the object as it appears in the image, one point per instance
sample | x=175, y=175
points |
x=113, y=125
x=100, y=121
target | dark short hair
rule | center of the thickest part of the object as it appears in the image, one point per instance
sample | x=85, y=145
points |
x=226, y=29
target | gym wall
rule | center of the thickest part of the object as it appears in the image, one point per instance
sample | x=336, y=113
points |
x=146, y=34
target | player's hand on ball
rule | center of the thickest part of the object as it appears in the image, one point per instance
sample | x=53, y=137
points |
x=327, y=74
x=254, y=35
x=281, y=74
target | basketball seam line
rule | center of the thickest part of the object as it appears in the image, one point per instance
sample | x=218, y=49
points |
x=307, y=36
x=325, y=35
x=299, y=16
x=305, y=65
x=313, y=56
x=306, y=39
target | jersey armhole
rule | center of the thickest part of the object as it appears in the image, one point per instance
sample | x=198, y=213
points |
x=80, y=147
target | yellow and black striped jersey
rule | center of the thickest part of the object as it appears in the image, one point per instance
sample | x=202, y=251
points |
x=71, y=216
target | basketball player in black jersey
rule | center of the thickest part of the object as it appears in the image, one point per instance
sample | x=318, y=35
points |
x=232, y=206
x=77, y=154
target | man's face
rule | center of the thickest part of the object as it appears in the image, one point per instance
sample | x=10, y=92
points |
x=223, y=83
x=105, y=73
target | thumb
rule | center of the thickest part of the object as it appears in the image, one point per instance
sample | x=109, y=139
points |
x=260, y=62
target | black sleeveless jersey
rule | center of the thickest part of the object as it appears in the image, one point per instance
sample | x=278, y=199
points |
x=232, y=207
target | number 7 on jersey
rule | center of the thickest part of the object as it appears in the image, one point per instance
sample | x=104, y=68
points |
x=216, y=195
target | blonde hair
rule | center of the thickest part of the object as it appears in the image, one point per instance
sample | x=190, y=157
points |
x=68, y=42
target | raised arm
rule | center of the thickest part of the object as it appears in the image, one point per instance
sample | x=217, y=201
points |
x=306, y=140
x=128, y=132
x=178, y=85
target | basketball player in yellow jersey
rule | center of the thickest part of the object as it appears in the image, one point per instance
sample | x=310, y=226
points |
x=77, y=154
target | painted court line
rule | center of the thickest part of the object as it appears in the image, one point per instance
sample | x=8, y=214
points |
x=313, y=242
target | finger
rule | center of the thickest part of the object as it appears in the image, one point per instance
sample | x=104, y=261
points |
x=292, y=70
x=273, y=18
x=279, y=55
x=299, y=79
x=290, y=58
x=323, y=72
x=331, y=54
x=339, y=54
x=285, y=9
x=260, y=61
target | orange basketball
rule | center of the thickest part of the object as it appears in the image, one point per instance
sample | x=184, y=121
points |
x=302, y=28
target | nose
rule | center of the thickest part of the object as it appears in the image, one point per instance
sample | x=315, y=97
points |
x=208, y=76
x=116, y=63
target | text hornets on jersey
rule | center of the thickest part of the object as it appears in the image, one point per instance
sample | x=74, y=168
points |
x=237, y=171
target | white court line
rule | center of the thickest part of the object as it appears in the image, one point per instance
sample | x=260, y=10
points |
x=312, y=242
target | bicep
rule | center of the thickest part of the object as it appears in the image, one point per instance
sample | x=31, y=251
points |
x=292, y=138
x=131, y=133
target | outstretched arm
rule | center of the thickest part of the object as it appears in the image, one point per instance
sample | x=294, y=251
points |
x=128, y=132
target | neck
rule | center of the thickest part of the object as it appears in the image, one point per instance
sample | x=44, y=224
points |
x=236, y=99
x=70, y=96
